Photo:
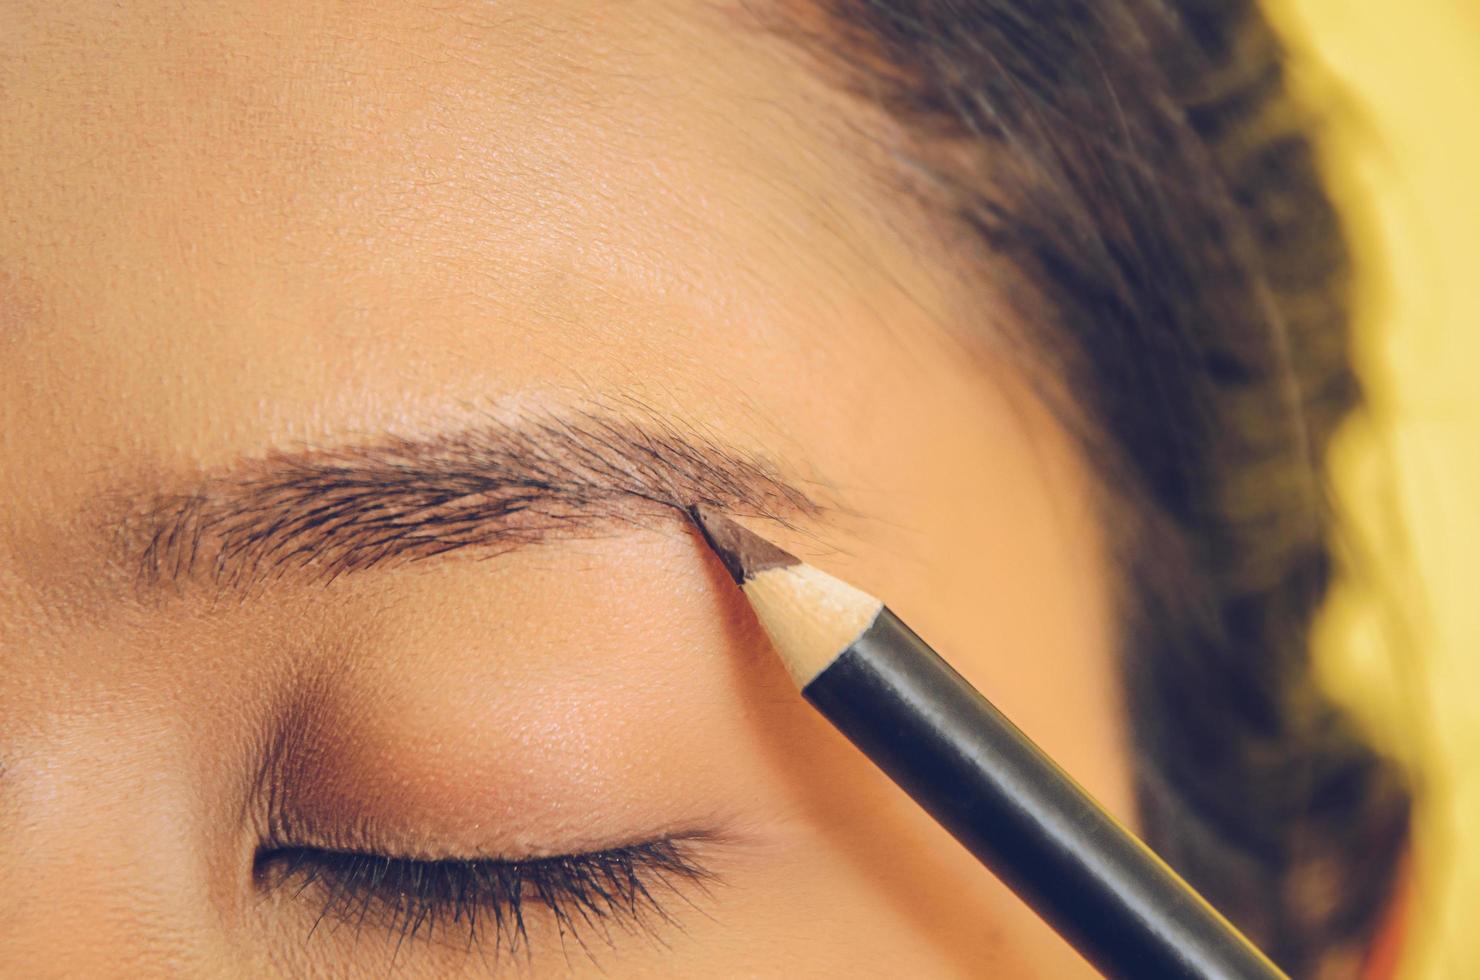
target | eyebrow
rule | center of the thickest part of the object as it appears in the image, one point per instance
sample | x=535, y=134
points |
x=488, y=488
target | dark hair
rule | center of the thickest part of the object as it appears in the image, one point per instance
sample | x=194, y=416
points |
x=1178, y=266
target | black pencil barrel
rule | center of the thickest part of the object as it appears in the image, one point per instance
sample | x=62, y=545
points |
x=1003, y=798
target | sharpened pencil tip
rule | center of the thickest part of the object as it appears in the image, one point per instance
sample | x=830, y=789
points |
x=744, y=553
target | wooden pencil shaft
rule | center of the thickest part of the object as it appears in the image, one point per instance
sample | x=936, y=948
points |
x=1013, y=808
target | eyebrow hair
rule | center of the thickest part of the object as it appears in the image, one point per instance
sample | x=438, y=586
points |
x=491, y=487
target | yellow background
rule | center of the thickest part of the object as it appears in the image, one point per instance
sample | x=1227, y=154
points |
x=1400, y=85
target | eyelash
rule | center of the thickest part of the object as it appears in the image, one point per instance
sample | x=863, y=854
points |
x=407, y=896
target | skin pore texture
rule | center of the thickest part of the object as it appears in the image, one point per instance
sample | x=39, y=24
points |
x=311, y=286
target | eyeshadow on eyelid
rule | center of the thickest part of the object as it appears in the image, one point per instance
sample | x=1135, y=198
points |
x=503, y=789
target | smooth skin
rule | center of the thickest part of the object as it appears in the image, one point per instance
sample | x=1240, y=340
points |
x=229, y=228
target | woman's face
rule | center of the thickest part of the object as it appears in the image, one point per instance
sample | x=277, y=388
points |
x=569, y=232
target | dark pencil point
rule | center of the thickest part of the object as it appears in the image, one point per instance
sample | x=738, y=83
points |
x=744, y=554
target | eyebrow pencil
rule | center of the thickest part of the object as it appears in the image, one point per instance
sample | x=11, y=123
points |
x=970, y=768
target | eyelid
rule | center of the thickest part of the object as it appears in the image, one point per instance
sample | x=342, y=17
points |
x=625, y=886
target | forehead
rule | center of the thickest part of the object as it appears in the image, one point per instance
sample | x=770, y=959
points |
x=535, y=155
x=306, y=201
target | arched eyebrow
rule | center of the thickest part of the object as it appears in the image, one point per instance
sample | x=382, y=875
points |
x=486, y=489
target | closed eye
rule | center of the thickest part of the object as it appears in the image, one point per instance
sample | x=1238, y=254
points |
x=488, y=902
